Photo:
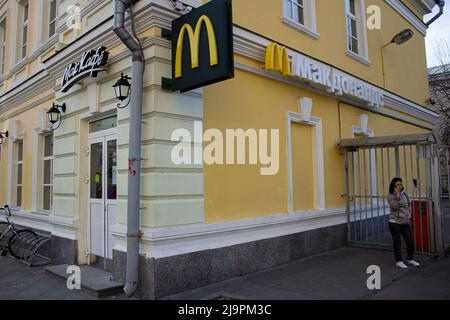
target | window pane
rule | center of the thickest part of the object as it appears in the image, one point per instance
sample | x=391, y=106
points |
x=51, y=29
x=20, y=151
x=53, y=10
x=25, y=35
x=354, y=29
x=48, y=172
x=96, y=170
x=288, y=8
x=19, y=173
x=47, y=198
x=103, y=124
x=48, y=149
x=19, y=196
x=25, y=12
x=298, y=14
x=352, y=7
x=112, y=170
x=355, y=45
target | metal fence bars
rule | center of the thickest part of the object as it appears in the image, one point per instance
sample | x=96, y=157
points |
x=25, y=246
x=370, y=165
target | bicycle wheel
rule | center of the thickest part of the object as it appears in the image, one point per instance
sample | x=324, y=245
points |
x=14, y=246
x=3, y=249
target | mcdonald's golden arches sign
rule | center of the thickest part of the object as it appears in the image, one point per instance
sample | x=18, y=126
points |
x=202, y=46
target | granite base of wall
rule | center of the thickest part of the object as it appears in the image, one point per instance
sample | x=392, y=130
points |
x=102, y=263
x=166, y=276
x=63, y=251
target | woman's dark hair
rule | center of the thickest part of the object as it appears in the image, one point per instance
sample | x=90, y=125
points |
x=392, y=185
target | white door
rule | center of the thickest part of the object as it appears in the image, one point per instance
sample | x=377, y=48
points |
x=102, y=192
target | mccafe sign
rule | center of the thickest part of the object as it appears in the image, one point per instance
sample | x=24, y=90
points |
x=91, y=63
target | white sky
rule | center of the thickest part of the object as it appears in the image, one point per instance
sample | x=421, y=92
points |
x=439, y=31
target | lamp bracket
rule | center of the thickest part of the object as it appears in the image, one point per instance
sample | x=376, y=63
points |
x=166, y=34
x=167, y=84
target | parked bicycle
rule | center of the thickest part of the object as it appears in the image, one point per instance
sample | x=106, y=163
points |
x=8, y=229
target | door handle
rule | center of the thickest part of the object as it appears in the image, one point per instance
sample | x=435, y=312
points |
x=86, y=179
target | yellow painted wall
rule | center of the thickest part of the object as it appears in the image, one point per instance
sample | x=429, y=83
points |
x=403, y=63
x=302, y=162
x=29, y=121
x=237, y=192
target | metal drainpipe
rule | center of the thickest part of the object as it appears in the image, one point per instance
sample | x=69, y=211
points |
x=441, y=4
x=134, y=147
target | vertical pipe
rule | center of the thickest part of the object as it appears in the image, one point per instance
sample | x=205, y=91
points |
x=371, y=194
x=134, y=181
x=347, y=190
x=360, y=199
x=365, y=195
x=406, y=168
x=389, y=164
x=412, y=167
x=384, y=190
x=354, y=194
x=429, y=196
x=397, y=162
x=377, y=195
x=418, y=150
x=134, y=147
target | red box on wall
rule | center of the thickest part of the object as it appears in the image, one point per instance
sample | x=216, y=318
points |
x=423, y=217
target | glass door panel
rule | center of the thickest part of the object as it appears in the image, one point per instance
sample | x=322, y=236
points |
x=96, y=179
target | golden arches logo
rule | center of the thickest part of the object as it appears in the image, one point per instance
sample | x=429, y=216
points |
x=277, y=59
x=194, y=44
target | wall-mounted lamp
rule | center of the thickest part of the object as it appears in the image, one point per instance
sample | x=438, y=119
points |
x=3, y=136
x=55, y=116
x=122, y=89
x=398, y=39
x=305, y=105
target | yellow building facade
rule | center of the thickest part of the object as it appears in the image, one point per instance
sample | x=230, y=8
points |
x=201, y=223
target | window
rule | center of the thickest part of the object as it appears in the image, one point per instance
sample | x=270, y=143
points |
x=19, y=171
x=301, y=15
x=48, y=173
x=52, y=18
x=356, y=31
x=352, y=27
x=295, y=10
x=25, y=7
x=2, y=45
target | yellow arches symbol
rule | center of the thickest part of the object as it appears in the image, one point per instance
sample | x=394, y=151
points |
x=194, y=43
x=277, y=59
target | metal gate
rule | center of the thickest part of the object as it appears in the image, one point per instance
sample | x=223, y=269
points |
x=370, y=165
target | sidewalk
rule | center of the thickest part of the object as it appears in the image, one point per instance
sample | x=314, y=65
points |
x=340, y=274
x=20, y=282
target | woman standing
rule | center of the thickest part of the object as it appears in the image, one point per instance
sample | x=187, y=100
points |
x=400, y=223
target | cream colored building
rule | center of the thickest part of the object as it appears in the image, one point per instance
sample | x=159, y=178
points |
x=200, y=223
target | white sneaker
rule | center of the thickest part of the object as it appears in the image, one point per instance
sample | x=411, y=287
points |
x=401, y=265
x=414, y=263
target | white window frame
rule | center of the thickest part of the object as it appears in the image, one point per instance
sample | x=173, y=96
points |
x=25, y=8
x=319, y=169
x=16, y=173
x=361, y=29
x=309, y=25
x=3, y=21
x=50, y=2
x=47, y=158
